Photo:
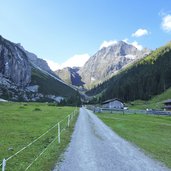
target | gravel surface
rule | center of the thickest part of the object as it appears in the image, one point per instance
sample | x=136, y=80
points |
x=95, y=147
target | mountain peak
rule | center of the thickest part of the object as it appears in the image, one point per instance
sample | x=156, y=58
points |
x=120, y=45
x=109, y=60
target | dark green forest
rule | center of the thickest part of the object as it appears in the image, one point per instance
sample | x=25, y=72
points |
x=148, y=77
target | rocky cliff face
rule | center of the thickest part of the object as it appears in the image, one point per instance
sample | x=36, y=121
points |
x=23, y=76
x=35, y=60
x=14, y=63
x=70, y=76
x=108, y=61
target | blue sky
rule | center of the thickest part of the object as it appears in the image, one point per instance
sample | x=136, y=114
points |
x=58, y=30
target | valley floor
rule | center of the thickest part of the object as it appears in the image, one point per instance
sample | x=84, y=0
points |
x=94, y=146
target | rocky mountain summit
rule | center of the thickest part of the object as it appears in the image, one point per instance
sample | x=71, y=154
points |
x=41, y=63
x=105, y=63
x=108, y=61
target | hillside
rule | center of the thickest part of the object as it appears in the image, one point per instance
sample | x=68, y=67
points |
x=70, y=76
x=144, y=79
x=49, y=85
x=102, y=65
x=25, y=77
x=155, y=103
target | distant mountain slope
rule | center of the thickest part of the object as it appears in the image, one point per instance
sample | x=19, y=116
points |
x=70, y=76
x=49, y=84
x=23, y=76
x=35, y=60
x=108, y=61
x=102, y=65
x=148, y=77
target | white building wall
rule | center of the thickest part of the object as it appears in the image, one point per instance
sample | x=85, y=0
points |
x=114, y=104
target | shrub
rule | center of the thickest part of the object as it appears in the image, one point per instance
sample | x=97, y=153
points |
x=37, y=109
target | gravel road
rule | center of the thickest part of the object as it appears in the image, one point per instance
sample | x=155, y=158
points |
x=95, y=147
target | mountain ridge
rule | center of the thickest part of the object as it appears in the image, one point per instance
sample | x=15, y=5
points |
x=147, y=77
x=104, y=64
x=19, y=69
x=70, y=76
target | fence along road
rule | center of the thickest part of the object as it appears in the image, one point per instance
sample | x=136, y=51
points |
x=94, y=146
x=133, y=111
x=60, y=130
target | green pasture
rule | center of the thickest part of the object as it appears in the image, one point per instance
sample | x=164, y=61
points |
x=149, y=132
x=21, y=123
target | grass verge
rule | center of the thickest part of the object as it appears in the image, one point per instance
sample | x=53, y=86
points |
x=21, y=123
x=154, y=103
x=150, y=133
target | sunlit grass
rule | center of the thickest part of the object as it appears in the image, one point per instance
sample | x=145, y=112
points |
x=21, y=123
x=150, y=133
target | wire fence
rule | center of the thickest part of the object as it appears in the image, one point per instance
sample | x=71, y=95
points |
x=129, y=111
x=48, y=137
x=134, y=111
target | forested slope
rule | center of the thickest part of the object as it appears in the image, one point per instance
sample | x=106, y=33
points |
x=148, y=77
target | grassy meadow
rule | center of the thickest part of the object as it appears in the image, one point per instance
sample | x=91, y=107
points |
x=149, y=132
x=21, y=123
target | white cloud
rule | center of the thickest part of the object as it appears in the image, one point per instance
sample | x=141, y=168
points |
x=137, y=45
x=75, y=61
x=126, y=40
x=80, y=59
x=166, y=23
x=53, y=65
x=140, y=32
x=107, y=43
